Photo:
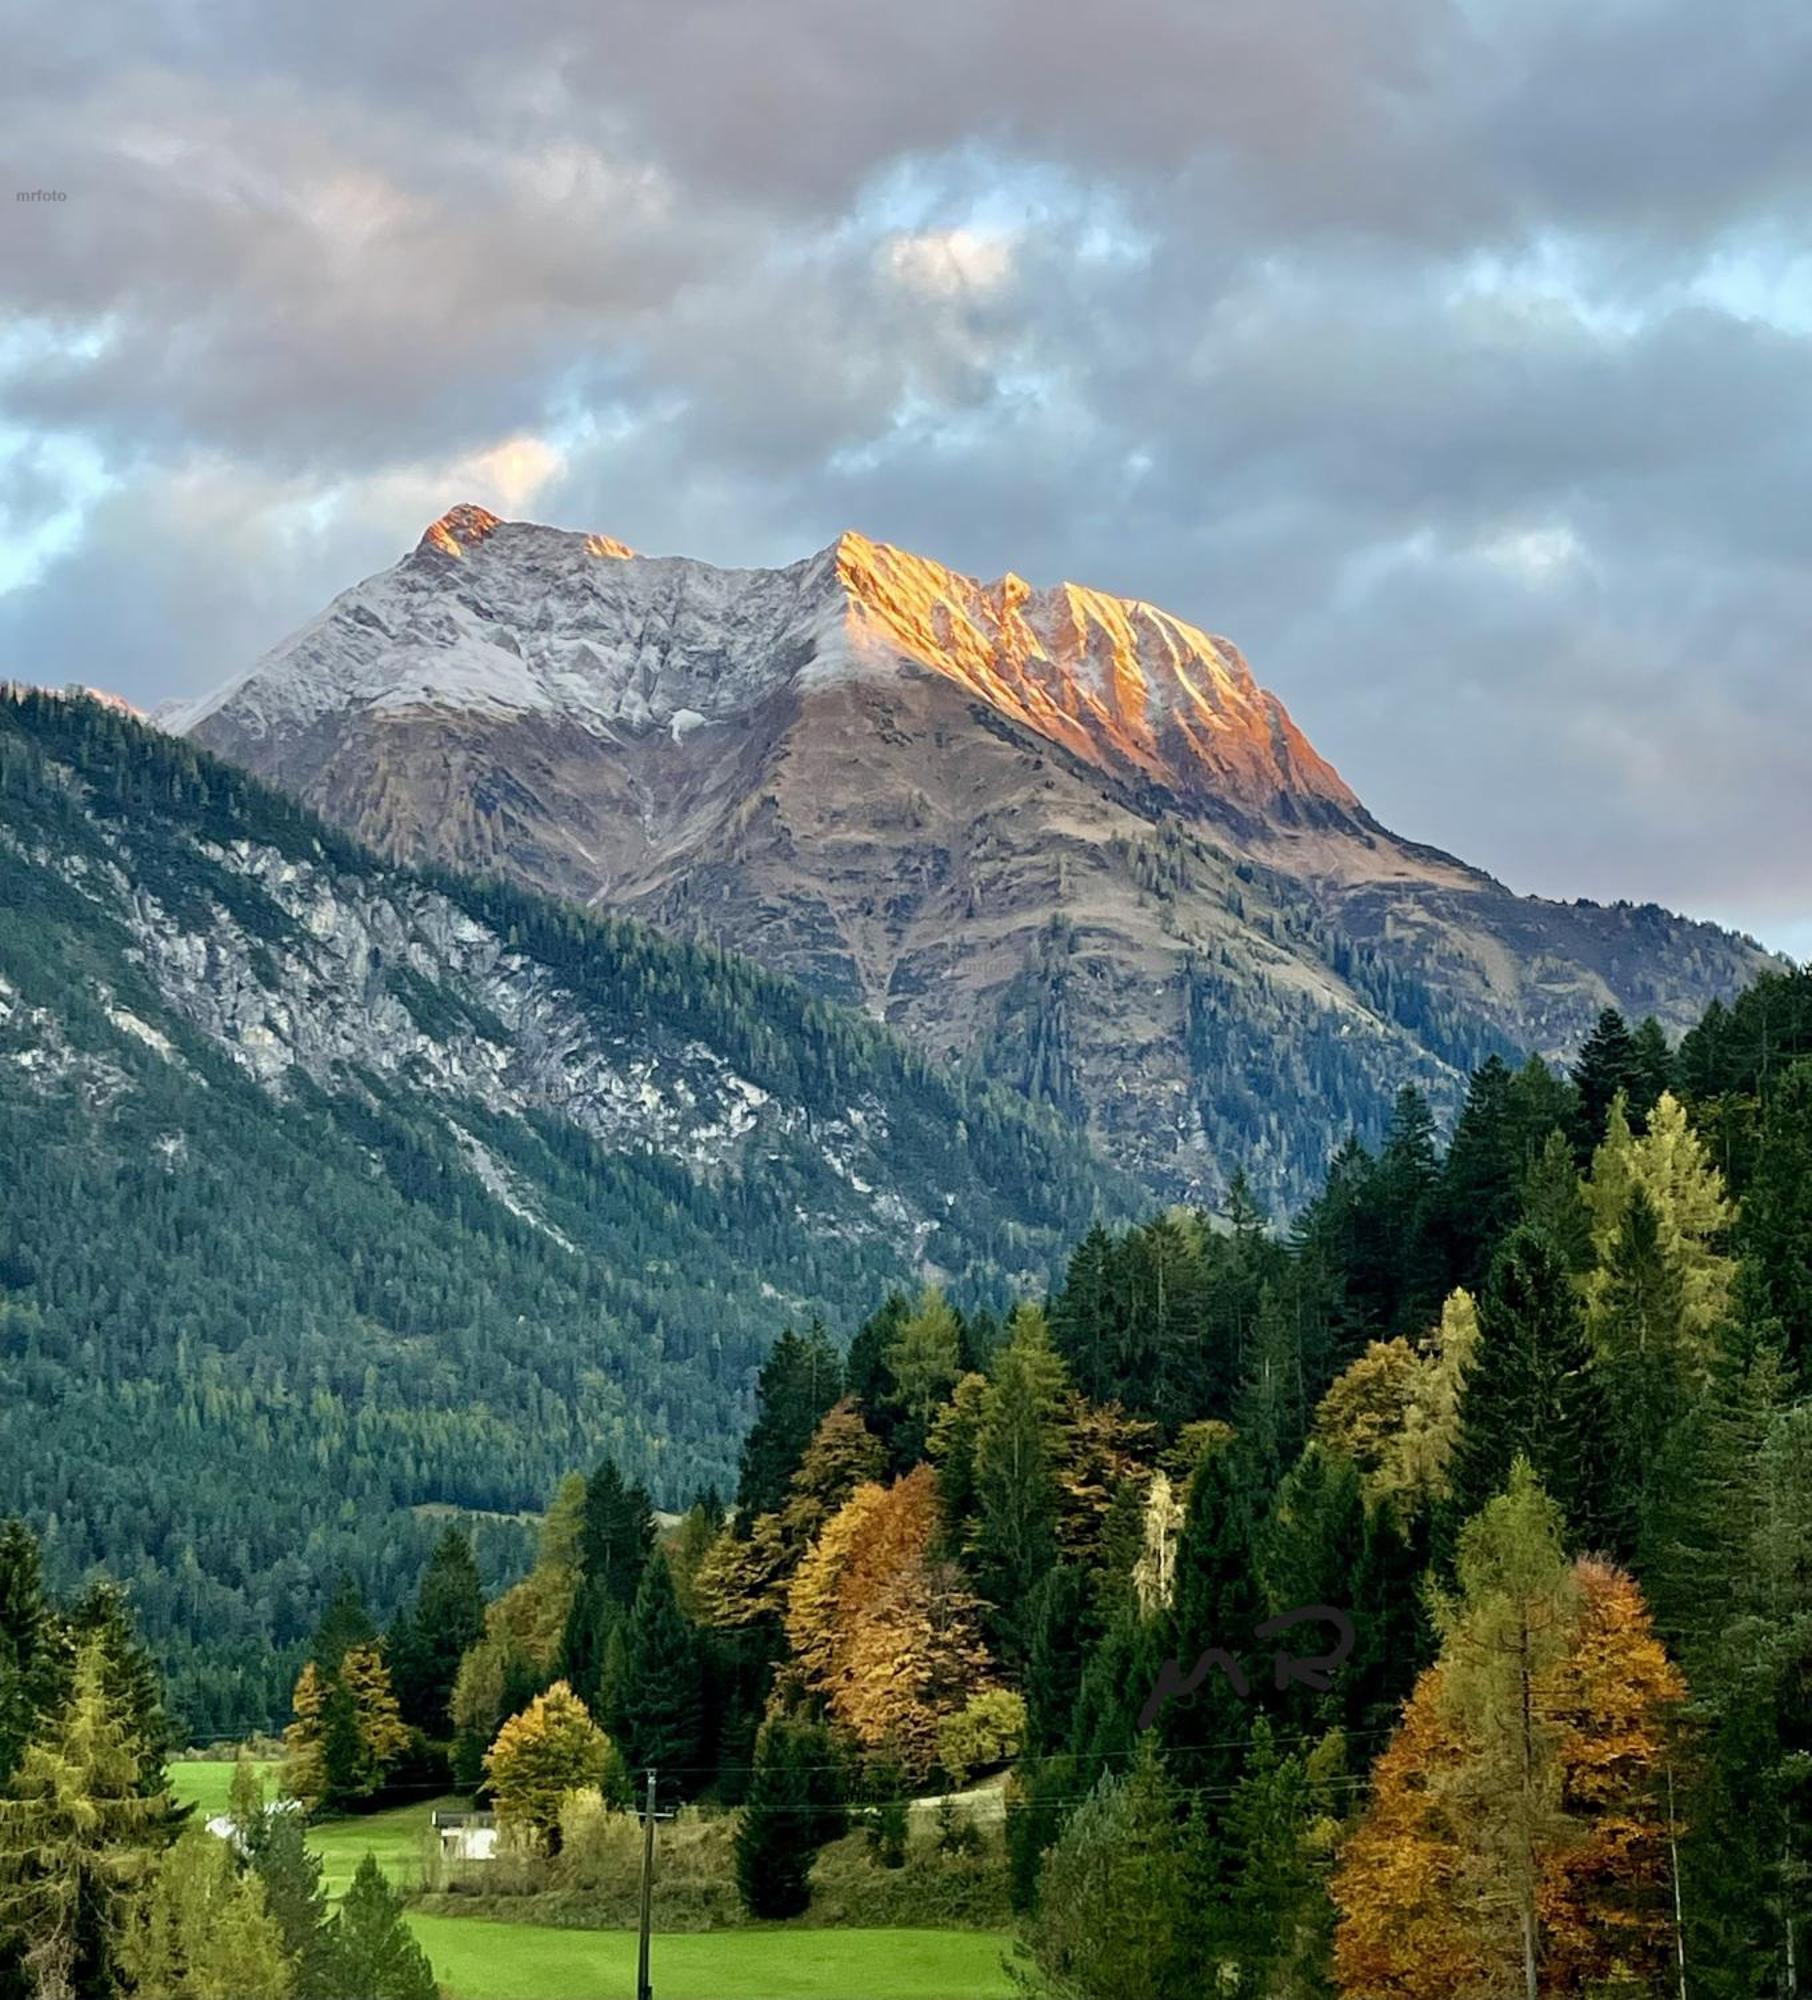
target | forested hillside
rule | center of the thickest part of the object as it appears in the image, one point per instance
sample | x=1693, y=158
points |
x=1419, y=1606
x=337, y=1196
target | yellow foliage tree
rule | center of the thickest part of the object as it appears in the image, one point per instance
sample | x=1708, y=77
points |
x=884, y=1631
x=303, y=1776
x=1514, y=1818
x=1395, y=1412
x=383, y=1736
x=552, y=1749
x=1670, y=1165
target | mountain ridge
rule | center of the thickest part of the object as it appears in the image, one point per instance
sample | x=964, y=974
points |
x=1063, y=834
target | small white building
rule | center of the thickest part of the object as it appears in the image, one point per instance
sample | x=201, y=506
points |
x=466, y=1836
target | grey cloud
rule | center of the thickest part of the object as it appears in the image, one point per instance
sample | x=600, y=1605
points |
x=1524, y=552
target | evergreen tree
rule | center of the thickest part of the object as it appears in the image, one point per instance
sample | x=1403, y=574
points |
x=428, y=1641
x=1017, y=1448
x=1533, y=1391
x=203, y=1932
x=799, y=1382
x=1652, y=1066
x=32, y=1644
x=616, y=1534
x=1775, y=1228
x=344, y=1624
x=1220, y=1602
x=291, y=1874
x=375, y=1956
x=1554, y=1204
x=1112, y=1913
x=1606, y=1069
x=924, y=1360
x=865, y=1372
x=657, y=1706
x=78, y=1840
x=790, y=1813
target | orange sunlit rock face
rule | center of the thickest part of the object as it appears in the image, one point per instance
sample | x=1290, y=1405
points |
x=1115, y=680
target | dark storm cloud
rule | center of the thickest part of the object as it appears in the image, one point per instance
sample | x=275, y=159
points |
x=1453, y=357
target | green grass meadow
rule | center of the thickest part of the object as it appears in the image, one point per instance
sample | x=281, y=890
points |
x=479, y=1960
x=476, y=1958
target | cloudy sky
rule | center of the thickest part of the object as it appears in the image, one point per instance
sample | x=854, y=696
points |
x=1454, y=356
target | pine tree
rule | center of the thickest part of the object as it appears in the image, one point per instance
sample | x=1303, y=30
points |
x=375, y=1956
x=789, y=1814
x=1775, y=1230
x=657, y=1706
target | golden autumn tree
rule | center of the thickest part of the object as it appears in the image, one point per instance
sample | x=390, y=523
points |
x=1669, y=1165
x=883, y=1630
x=1395, y=1412
x=1515, y=1840
x=550, y=1750
x=303, y=1775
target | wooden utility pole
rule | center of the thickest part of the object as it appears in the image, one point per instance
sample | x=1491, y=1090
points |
x=644, y=1990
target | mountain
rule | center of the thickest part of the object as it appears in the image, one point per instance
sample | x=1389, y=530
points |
x=338, y=1195
x=1062, y=833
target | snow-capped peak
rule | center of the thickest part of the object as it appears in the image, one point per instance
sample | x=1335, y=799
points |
x=509, y=618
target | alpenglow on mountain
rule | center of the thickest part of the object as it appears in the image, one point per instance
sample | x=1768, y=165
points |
x=1063, y=834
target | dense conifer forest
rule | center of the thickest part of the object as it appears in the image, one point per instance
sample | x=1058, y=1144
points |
x=1415, y=1601
x=249, y=1337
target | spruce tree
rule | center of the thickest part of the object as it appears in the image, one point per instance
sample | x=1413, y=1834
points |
x=616, y=1533
x=429, y=1640
x=1016, y=1454
x=791, y=1811
x=1533, y=1390
x=344, y=1624
x=33, y=1653
x=656, y=1716
x=1607, y=1068
x=375, y=1956
x=799, y=1382
x=291, y=1874
x=1220, y=1602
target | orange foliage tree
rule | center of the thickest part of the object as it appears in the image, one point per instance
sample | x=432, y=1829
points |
x=1423, y=1911
x=883, y=1630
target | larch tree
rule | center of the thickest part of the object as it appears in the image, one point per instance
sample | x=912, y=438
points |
x=1517, y=1838
x=78, y=1841
x=203, y=1931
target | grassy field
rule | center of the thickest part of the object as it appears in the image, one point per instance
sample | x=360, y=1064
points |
x=479, y=1960
x=203, y=1785
x=395, y=1837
